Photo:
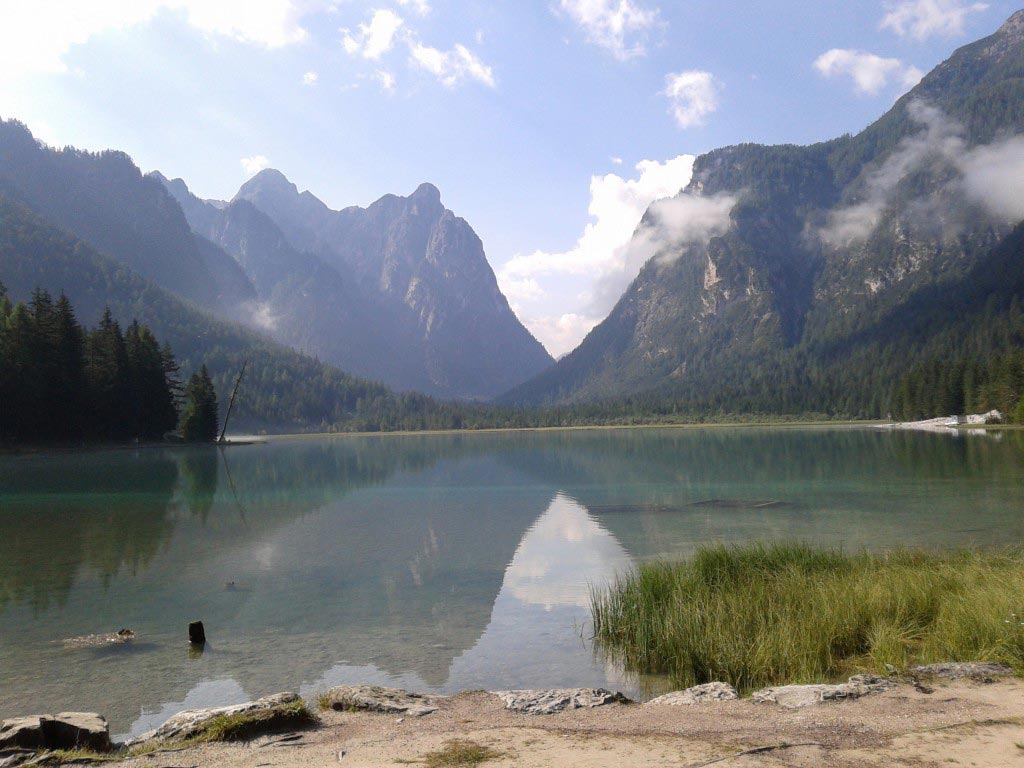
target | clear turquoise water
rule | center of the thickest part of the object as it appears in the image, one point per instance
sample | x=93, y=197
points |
x=428, y=562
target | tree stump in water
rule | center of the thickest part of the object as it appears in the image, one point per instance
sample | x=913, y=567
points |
x=196, y=633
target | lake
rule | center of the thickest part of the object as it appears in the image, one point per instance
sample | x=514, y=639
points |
x=431, y=562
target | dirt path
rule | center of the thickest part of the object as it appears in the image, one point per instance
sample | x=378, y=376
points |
x=959, y=724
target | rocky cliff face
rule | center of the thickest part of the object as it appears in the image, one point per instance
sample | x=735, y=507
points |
x=815, y=247
x=423, y=279
x=400, y=291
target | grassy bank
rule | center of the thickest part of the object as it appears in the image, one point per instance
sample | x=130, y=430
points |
x=761, y=615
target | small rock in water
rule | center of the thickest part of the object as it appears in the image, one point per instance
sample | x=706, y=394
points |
x=698, y=694
x=556, y=700
x=120, y=637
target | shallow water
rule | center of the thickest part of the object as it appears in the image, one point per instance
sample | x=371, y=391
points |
x=429, y=562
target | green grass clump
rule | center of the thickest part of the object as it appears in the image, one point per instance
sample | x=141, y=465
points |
x=758, y=615
x=459, y=753
x=247, y=725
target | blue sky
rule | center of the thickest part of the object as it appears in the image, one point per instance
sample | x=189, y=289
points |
x=531, y=116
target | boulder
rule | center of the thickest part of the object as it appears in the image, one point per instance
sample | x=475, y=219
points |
x=549, y=702
x=192, y=722
x=797, y=696
x=22, y=732
x=77, y=730
x=67, y=730
x=698, y=694
x=979, y=671
x=375, y=698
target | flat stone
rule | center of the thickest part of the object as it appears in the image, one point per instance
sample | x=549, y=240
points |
x=698, y=694
x=67, y=730
x=798, y=696
x=375, y=698
x=972, y=670
x=191, y=722
x=22, y=732
x=556, y=700
x=77, y=730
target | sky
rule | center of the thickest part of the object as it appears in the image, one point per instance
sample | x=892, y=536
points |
x=549, y=125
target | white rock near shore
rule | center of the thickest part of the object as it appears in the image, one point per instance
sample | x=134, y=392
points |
x=190, y=723
x=556, y=700
x=375, y=698
x=798, y=696
x=698, y=694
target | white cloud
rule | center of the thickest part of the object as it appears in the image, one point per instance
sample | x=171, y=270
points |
x=922, y=19
x=579, y=281
x=375, y=39
x=310, y=78
x=619, y=26
x=255, y=164
x=422, y=7
x=385, y=79
x=870, y=73
x=451, y=67
x=991, y=175
x=693, y=96
x=994, y=176
x=36, y=35
x=616, y=160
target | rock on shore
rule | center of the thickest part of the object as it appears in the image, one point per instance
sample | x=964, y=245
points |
x=375, y=698
x=192, y=722
x=65, y=730
x=556, y=700
x=797, y=696
x=698, y=694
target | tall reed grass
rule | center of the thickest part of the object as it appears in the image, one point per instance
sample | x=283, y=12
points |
x=759, y=615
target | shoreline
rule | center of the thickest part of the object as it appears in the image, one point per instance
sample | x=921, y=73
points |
x=928, y=721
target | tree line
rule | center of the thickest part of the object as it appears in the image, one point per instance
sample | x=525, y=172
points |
x=62, y=382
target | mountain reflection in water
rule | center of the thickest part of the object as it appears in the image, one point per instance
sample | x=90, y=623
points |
x=430, y=562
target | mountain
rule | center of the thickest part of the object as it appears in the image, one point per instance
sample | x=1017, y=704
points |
x=303, y=301
x=785, y=278
x=283, y=390
x=103, y=199
x=423, y=275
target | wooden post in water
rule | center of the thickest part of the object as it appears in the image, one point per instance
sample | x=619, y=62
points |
x=196, y=633
x=231, y=402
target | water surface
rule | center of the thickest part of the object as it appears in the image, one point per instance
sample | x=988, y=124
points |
x=429, y=562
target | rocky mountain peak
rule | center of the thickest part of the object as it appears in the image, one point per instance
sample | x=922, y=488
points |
x=1014, y=25
x=427, y=193
x=269, y=181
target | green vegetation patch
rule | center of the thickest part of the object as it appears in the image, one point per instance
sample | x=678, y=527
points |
x=759, y=615
x=248, y=725
x=457, y=753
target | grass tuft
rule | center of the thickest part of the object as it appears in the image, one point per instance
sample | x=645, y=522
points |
x=758, y=615
x=458, y=753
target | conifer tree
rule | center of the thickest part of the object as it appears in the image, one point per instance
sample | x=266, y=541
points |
x=201, y=419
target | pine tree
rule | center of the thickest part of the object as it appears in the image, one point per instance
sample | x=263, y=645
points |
x=201, y=420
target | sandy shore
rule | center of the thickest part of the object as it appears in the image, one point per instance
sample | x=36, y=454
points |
x=962, y=723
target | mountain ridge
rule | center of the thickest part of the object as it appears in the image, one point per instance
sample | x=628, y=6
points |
x=819, y=241
x=418, y=279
